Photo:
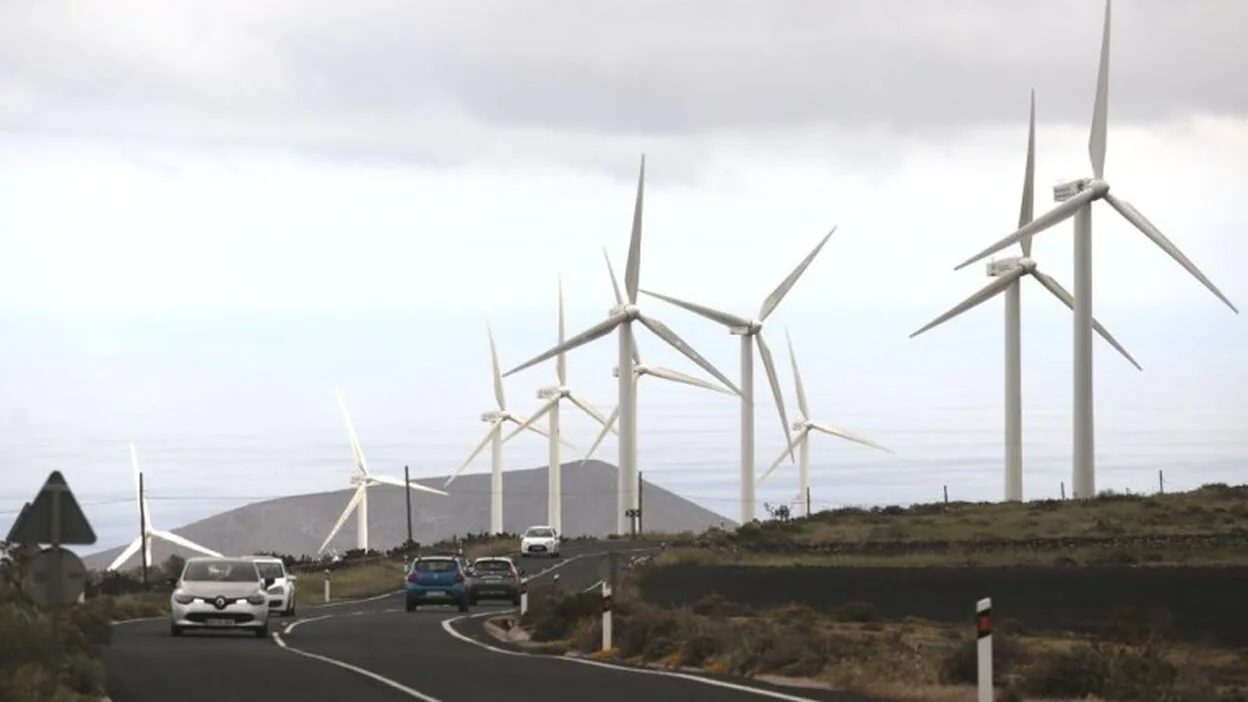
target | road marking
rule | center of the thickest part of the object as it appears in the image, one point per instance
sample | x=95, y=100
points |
x=344, y=603
x=291, y=626
x=414, y=694
x=593, y=587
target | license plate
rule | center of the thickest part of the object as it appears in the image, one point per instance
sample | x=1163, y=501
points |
x=435, y=593
x=493, y=578
x=220, y=622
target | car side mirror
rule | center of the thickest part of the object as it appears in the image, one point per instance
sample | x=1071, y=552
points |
x=268, y=582
x=292, y=577
x=173, y=582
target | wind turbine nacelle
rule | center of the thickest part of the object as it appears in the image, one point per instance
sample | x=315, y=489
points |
x=547, y=393
x=489, y=416
x=1002, y=267
x=615, y=372
x=1064, y=191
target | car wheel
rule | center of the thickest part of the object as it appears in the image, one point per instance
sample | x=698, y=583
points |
x=175, y=630
x=410, y=605
x=263, y=632
x=515, y=601
x=463, y=605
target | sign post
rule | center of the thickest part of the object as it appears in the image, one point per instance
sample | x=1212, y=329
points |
x=56, y=577
x=327, y=584
x=983, y=632
x=607, y=604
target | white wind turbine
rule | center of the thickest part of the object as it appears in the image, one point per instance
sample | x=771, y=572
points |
x=494, y=437
x=145, y=523
x=1076, y=200
x=552, y=396
x=622, y=318
x=1008, y=274
x=363, y=479
x=641, y=370
x=801, y=440
x=751, y=330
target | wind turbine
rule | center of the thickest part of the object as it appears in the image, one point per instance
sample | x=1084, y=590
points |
x=751, y=330
x=552, y=396
x=641, y=370
x=1076, y=198
x=363, y=479
x=145, y=524
x=494, y=437
x=801, y=441
x=622, y=318
x=1009, y=273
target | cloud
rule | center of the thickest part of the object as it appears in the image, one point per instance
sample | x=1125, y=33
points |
x=440, y=81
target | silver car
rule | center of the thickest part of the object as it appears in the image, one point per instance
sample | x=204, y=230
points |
x=220, y=593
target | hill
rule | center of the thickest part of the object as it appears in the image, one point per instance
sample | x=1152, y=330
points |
x=297, y=524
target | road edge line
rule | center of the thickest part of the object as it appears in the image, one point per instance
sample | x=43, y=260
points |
x=414, y=694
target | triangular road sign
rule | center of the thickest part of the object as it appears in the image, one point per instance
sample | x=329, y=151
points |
x=35, y=524
x=17, y=523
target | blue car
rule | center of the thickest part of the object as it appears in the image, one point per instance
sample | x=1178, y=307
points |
x=437, y=580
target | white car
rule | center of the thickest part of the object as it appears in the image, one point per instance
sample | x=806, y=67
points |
x=539, y=541
x=282, y=592
x=220, y=593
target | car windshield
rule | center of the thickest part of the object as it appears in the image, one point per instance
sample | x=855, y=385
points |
x=270, y=569
x=222, y=571
x=540, y=532
x=438, y=566
x=492, y=566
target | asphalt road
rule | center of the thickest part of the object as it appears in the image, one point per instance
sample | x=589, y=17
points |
x=373, y=650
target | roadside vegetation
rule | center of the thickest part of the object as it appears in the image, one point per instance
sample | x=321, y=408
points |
x=908, y=660
x=1207, y=526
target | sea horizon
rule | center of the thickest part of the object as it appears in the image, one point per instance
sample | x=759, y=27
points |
x=231, y=408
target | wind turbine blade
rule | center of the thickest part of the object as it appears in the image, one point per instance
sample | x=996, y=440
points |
x=978, y=298
x=1067, y=299
x=495, y=427
x=589, y=409
x=632, y=272
x=125, y=555
x=848, y=436
x=398, y=482
x=1148, y=229
x=773, y=300
x=1027, y=211
x=346, y=513
x=615, y=283
x=184, y=543
x=542, y=411
x=602, y=434
x=536, y=429
x=1100, y=106
x=801, y=435
x=561, y=361
x=666, y=334
x=499, y=394
x=354, y=438
x=731, y=321
x=1057, y=215
x=769, y=365
x=797, y=378
x=678, y=377
x=597, y=331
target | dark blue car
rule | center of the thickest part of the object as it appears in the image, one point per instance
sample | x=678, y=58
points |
x=437, y=580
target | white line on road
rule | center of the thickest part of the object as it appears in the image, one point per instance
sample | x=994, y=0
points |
x=414, y=694
x=291, y=626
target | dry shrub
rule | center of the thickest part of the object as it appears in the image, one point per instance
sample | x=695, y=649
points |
x=555, y=617
x=1111, y=670
x=960, y=666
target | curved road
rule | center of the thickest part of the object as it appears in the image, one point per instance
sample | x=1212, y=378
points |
x=373, y=650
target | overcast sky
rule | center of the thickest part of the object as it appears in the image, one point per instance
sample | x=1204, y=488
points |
x=461, y=154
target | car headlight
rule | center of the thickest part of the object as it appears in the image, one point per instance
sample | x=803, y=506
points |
x=183, y=599
x=275, y=590
x=256, y=599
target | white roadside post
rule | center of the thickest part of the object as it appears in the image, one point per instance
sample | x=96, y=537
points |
x=983, y=631
x=524, y=597
x=606, y=616
x=327, y=584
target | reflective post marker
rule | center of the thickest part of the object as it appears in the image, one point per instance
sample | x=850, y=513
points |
x=327, y=584
x=606, y=617
x=983, y=632
x=524, y=597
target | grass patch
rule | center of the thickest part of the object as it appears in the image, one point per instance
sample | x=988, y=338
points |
x=908, y=660
x=359, y=580
x=1207, y=526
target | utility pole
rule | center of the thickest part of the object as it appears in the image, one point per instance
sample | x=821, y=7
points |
x=640, y=492
x=946, y=494
x=1161, y=482
x=143, y=531
x=807, y=500
x=407, y=495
